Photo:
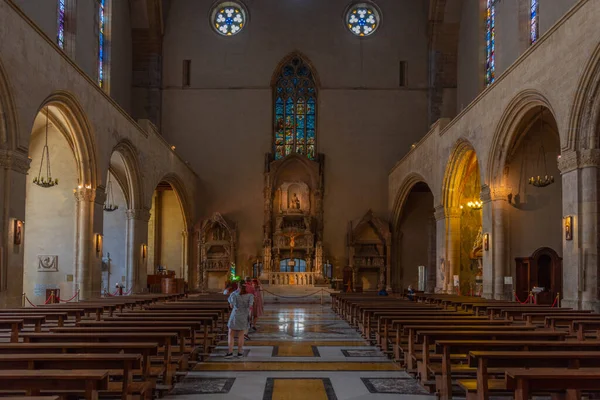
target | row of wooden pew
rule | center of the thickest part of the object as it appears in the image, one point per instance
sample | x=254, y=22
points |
x=129, y=346
x=476, y=347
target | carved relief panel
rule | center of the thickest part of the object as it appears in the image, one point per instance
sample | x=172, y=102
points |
x=216, y=249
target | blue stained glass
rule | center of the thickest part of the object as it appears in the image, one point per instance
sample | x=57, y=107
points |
x=534, y=21
x=101, y=33
x=61, y=24
x=490, y=42
x=362, y=19
x=228, y=19
x=295, y=109
x=310, y=136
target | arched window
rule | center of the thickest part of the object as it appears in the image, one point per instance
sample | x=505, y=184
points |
x=103, y=22
x=295, y=100
x=534, y=21
x=298, y=265
x=490, y=42
x=61, y=21
x=65, y=20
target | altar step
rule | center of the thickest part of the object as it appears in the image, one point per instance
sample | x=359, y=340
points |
x=274, y=294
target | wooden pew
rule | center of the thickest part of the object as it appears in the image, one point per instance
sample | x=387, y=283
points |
x=448, y=348
x=581, y=326
x=51, y=314
x=36, y=320
x=526, y=381
x=146, y=350
x=552, y=321
x=482, y=360
x=15, y=326
x=533, y=318
x=166, y=340
x=123, y=363
x=429, y=337
x=33, y=382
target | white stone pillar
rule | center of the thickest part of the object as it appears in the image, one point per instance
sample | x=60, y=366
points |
x=580, y=200
x=84, y=242
x=452, y=247
x=440, y=259
x=500, y=241
x=137, y=235
x=13, y=177
x=431, y=256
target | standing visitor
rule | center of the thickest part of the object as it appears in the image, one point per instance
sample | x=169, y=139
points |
x=410, y=293
x=241, y=303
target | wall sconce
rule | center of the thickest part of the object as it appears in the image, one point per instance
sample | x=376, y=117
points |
x=486, y=241
x=98, y=243
x=18, y=232
x=144, y=251
x=569, y=227
x=173, y=148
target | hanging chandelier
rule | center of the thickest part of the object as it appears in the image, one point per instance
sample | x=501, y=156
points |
x=475, y=205
x=546, y=180
x=45, y=181
x=109, y=204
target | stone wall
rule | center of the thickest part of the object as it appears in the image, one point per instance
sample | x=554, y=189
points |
x=490, y=125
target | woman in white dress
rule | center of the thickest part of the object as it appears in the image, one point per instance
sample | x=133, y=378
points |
x=241, y=302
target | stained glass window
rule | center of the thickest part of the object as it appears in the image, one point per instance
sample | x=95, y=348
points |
x=61, y=23
x=362, y=19
x=101, y=40
x=295, y=97
x=490, y=42
x=534, y=21
x=228, y=18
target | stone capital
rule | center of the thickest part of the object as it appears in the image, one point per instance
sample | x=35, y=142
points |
x=141, y=214
x=439, y=213
x=500, y=193
x=14, y=160
x=572, y=160
x=454, y=212
x=85, y=194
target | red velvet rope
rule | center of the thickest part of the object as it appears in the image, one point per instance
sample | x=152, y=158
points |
x=30, y=303
x=66, y=301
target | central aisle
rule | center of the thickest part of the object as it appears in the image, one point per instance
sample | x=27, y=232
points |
x=300, y=352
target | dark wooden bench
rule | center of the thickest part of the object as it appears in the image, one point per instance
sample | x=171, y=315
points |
x=526, y=381
x=33, y=382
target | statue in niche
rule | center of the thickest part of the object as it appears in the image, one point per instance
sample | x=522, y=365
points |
x=294, y=202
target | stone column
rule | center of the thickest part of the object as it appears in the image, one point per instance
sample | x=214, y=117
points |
x=13, y=182
x=580, y=191
x=388, y=263
x=84, y=241
x=431, y=256
x=137, y=235
x=452, y=247
x=500, y=241
x=440, y=238
x=184, y=255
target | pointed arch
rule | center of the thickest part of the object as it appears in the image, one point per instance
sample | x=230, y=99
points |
x=458, y=164
x=8, y=116
x=132, y=174
x=402, y=195
x=295, y=90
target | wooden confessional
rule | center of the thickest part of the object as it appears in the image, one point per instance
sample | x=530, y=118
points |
x=542, y=269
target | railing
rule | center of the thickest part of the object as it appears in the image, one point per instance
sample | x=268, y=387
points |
x=293, y=278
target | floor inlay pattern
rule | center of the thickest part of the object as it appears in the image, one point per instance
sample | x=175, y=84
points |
x=300, y=352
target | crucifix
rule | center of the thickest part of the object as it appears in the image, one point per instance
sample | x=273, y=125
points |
x=292, y=236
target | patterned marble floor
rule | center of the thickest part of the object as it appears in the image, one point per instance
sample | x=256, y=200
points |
x=300, y=352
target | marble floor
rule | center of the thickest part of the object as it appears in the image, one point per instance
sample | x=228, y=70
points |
x=300, y=352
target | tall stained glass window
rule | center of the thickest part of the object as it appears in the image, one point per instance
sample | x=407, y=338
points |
x=490, y=42
x=295, y=97
x=534, y=21
x=60, y=39
x=101, y=41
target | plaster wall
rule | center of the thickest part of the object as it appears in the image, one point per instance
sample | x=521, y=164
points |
x=571, y=42
x=115, y=238
x=27, y=62
x=49, y=227
x=172, y=227
x=538, y=221
x=121, y=54
x=470, y=53
x=551, y=11
x=414, y=242
x=365, y=120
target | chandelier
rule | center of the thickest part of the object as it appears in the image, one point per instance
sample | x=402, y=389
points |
x=547, y=180
x=109, y=204
x=45, y=181
x=474, y=205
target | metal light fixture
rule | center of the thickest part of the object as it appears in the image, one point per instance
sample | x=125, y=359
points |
x=547, y=180
x=144, y=251
x=109, y=204
x=40, y=180
x=475, y=205
x=98, y=243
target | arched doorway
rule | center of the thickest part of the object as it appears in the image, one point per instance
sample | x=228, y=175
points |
x=167, y=233
x=542, y=270
x=462, y=266
x=58, y=238
x=414, y=238
x=535, y=203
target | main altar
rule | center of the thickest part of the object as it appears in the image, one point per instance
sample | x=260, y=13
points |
x=293, y=220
